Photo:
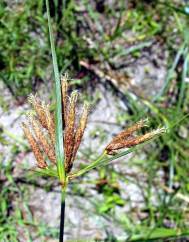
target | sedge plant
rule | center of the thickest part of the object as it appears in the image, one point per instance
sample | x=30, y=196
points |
x=55, y=137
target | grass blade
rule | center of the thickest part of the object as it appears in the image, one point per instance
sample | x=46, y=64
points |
x=170, y=73
x=183, y=81
x=174, y=8
x=158, y=233
x=47, y=173
x=58, y=116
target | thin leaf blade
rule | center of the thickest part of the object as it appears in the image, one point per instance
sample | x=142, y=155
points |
x=58, y=116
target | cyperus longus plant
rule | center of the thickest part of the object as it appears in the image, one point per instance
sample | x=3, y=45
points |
x=55, y=137
x=40, y=130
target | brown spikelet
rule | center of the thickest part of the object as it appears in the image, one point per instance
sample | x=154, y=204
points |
x=129, y=131
x=43, y=126
x=64, y=85
x=70, y=130
x=39, y=109
x=50, y=124
x=34, y=146
x=80, y=130
x=47, y=148
x=133, y=141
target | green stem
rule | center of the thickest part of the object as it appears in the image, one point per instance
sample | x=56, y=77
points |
x=62, y=215
x=89, y=167
x=104, y=161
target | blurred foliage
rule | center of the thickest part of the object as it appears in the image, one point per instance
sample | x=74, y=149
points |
x=24, y=54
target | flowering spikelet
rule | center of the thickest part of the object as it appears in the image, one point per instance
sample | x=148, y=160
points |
x=44, y=116
x=72, y=136
x=41, y=133
x=39, y=109
x=69, y=136
x=125, y=140
x=64, y=84
x=50, y=124
x=34, y=146
x=80, y=130
x=47, y=148
x=43, y=128
x=129, y=131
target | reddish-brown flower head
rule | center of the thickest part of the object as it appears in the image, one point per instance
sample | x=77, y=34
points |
x=40, y=128
x=126, y=138
x=73, y=133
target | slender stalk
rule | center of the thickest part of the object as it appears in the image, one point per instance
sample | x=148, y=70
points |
x=102, y=160
x=59, y=127
x=62, y=216
x=87, y=168
x=62, y=211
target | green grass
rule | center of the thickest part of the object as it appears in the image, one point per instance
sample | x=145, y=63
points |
x=23, y=55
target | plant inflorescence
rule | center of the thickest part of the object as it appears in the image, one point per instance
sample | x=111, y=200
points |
x=39, y=129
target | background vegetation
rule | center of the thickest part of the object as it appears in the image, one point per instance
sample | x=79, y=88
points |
x=97, y=42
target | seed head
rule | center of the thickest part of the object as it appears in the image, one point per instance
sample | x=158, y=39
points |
x=43, y=128
x=34, y=146
x=129, y=141
x=72, y=135
x=80, y=130
x=50, y=123
x=64, y=83
x=42, y=140
x=39, y=109
x=129, y=131
x=69, y=136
